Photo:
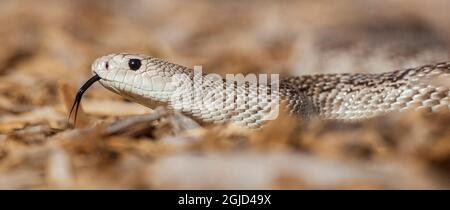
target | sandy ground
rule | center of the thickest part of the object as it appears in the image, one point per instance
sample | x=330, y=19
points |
x=47, y=46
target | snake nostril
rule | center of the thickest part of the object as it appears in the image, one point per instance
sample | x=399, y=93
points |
x=106, y=65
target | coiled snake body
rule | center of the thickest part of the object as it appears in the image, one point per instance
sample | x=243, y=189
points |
x=151, y=81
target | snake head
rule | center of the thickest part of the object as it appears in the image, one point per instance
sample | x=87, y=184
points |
x=139, y=78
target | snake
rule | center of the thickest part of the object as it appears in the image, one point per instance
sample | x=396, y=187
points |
x=153, y=82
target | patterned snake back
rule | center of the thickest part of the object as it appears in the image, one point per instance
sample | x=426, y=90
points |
x=359, y=96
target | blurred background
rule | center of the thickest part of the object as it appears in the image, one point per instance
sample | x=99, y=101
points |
x=47, y=46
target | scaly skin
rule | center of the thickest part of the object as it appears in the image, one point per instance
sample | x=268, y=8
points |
x=329, y=96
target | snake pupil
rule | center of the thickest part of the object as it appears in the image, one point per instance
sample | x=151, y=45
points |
x=134, y=64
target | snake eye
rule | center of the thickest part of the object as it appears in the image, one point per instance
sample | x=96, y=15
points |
x=134, y=64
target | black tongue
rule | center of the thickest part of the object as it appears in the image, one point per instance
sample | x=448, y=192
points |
x=80, y=93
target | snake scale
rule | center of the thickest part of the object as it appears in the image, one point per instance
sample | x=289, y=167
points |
x=152, y=82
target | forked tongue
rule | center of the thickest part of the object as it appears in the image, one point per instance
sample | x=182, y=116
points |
x=80, y=93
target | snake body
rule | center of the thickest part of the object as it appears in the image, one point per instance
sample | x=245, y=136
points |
x=330, y=96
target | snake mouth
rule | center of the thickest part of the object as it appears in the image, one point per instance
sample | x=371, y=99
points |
x=79, y=95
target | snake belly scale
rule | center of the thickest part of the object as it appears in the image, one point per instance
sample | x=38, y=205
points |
x=151, y=82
